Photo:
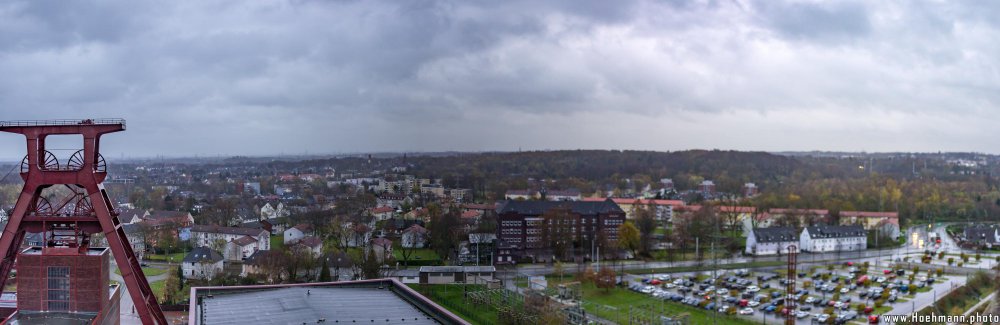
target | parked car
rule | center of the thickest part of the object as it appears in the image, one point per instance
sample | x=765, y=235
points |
x=746, y=311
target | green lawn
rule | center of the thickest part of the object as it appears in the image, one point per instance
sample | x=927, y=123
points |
x=157, y=288
x=172, y=258
x=418, y=254
x=450, y=297
x=277, y=242
x=148, y=271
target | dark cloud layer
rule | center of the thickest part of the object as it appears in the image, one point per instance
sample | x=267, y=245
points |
x=269, y=77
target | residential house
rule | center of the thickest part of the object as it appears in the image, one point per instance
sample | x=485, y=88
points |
x=771, y=241
x=241, y=248
x=312, y=244
x=818, y=239
x=561, y=195
x=132, y=216
x=298, y=232
x=383, y=249
x=982, y=235
x=414, y=237
x=383, y=213
x=219, y=236
x=136, y=238
x=202, y=263
x=873, y=221
x=664, y=209
x=355, y=234
x=520, y=195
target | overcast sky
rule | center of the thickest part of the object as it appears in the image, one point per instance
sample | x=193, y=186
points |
x=271, y=77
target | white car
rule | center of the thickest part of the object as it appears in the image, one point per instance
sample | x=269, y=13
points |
x=844, y=290
x=753, y=289
x=647, y=290
x=722, y=292
x=838, y=305
x=678, y=282
x=801, y=314
x=822, y=318
x=810, y=300
x=669, y=285
x=746, y=311
x=723, y=309
x=880, y=279
x=753, y=303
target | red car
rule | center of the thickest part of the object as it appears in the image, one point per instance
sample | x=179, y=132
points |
x=744, y=302
x=886, y=271
x=655, y=282
x=873, y=319
x=850, y=263
x=869, y=310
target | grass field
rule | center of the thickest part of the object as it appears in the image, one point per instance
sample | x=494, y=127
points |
x=277, y=242
x=157, y=289
x=451, y=298
x=418, y=254
x=148, y=271
x=172, y=258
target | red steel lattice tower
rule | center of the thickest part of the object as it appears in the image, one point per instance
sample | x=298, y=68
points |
x=88, y=211
x=790, y=286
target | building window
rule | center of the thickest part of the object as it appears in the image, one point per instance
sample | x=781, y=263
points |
x=58, y=288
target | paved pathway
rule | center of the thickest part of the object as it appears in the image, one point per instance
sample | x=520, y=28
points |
x=128, y=316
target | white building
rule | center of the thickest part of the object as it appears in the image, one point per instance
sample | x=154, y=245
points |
x=819, y=239
x=414, y=237
x=770, y=241
x=202, y=263
x=210, y=236
x=294, y=234
x=241, y=248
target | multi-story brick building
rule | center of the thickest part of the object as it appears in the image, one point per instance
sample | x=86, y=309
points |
x=531, y=228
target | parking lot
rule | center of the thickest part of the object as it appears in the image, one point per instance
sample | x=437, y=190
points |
x=834, y=294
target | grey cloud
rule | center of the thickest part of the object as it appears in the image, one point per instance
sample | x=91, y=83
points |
x=324, y=76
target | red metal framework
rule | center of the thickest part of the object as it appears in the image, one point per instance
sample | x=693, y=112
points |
x=86, y=211
x=790, y=286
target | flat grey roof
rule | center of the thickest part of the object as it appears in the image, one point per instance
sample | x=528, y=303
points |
x=52, y=318
x=298, y=305
x=93, y=251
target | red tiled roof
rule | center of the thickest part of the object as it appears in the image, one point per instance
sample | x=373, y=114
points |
x=311, y=241
x=416, y=228
x=470, y=214
x=382, y=210
x=620, y=201
x=245, y=240
x=381, y=241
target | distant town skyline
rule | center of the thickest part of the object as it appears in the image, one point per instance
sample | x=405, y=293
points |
x=213, y=78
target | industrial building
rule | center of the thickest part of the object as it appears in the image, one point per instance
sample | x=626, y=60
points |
x=383, y=301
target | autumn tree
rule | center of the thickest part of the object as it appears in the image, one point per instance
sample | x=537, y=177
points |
x=645, y=219
x=628, y=237
x=443, y=229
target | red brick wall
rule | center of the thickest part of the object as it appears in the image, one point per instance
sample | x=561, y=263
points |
x=88, y=280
